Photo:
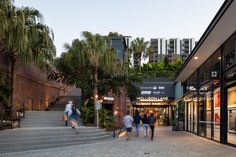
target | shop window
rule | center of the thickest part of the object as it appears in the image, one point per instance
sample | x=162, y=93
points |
x=230, y=59
x=229, y=51
x=216, y=114
x=231, y=101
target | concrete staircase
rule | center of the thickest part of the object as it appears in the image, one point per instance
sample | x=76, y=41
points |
x=24, y=139
x=44, y=130
x=42, y=119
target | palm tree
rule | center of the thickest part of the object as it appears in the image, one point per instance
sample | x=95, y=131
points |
x=139, y=47
x=25, y=37
x=101, y=56
x=73, y=68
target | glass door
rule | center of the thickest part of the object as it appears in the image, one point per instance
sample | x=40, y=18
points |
x=202, y=118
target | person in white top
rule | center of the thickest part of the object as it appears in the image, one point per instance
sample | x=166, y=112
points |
x=128, y=124
x=68, y=111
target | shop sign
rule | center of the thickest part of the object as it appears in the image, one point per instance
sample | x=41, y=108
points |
x=153, y=98
x=158, y=87
x=108, y=98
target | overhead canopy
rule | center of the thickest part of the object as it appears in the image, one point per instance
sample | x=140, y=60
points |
x=220, y=29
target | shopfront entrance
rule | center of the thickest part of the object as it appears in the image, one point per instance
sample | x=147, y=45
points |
x=157, y=95
x=163, y=114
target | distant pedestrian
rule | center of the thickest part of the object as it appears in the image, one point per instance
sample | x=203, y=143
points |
x=67, y=112
x=127, y=121
x=73, y=118
x=152, y=121
x=145, y=124
x=137, y=119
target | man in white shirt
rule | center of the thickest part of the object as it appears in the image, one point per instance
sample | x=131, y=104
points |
x=68, y=111
x=128, y=124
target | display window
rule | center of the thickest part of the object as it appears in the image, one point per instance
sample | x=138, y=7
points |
x=231, y=100
x=217, y=107
x=232, y=109
x=216, y=103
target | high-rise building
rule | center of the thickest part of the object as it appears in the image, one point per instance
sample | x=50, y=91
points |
x=173, y=48
x=159, y=48
x=120, y=44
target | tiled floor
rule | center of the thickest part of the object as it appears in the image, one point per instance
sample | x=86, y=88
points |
x=167, y=143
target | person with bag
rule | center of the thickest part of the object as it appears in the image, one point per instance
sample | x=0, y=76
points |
x=75, y=113
x=67, y=112
x=152, y=121
x=145, y=124
x=137, y=119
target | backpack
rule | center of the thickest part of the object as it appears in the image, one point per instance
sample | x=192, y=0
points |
x=74, y=112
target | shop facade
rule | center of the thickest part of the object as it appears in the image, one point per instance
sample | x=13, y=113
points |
x=209, y=80
x=156, y=97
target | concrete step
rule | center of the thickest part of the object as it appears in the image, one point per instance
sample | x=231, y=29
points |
x=23, y=139
x=45, y=129
x=44, y=119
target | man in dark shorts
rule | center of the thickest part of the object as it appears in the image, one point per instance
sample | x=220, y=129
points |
x=128, y=124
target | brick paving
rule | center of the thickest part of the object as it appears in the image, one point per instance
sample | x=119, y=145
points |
x=166, y=144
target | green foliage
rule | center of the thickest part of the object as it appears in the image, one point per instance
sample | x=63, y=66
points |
x=24, y=35
x=180, y=110
x=114, y=34
x=106, y=119
x=88, y=113
x=162, y=69
x=174, y=122
x=179, y=114
x=90, y=62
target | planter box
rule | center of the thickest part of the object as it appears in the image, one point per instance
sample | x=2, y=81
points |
x=178, y=127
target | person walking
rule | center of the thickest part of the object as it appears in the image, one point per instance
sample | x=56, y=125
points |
x=152, y=121
x=67, y=112
x=137, y=119
x=145, y=125
x=74, y=115
x=127, y=121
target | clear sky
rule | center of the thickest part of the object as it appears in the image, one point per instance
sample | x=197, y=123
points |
x=136, y=18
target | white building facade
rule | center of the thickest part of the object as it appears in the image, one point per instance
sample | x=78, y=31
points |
x=173, y=48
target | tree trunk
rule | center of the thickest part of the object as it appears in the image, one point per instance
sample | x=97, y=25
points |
x=13, y=62
x=95, y=94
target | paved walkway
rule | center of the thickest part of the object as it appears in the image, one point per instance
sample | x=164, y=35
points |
x=166, y=144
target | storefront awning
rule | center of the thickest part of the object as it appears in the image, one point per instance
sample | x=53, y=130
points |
x=220, y=29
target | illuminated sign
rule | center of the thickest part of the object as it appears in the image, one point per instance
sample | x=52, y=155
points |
x=153, y=98
x=156, y=89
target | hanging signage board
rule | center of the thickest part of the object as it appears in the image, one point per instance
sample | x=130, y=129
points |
x=157, y=88
x=98, y=105
x=108, y=98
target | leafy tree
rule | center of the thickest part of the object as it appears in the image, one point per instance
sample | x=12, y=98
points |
x=138, y=47
x=116, y=34
x=100, y=56
x=162, y=69
x=25, y=37
x=166, y=62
